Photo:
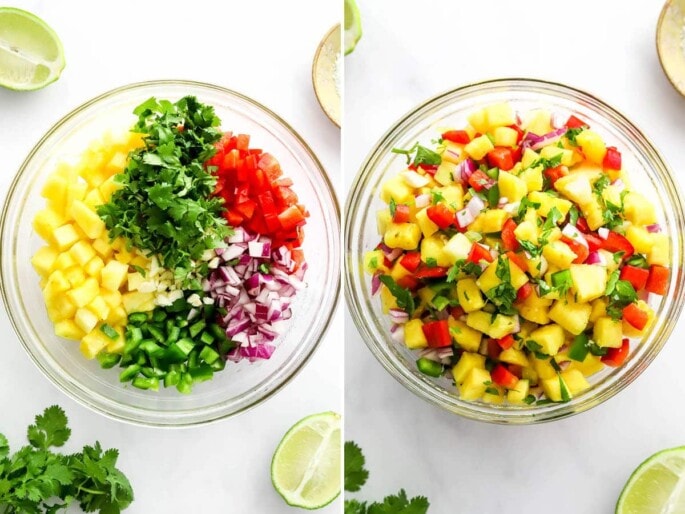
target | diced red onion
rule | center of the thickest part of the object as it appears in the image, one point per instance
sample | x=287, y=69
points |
x=603, y=232
x=465, y=169
x=596, y=258
x=233, y=251
x=398, y=316
x=259, y=250
x=444, y=353
x=475, y=205
x=398, y=335
x=529, y=140
x=429, y=353
x=394, y=254
x=465, y=218
x=654, y=228
x=454, y=153
x=517, y=324
x=415, y=179
x=375, y=284
x=548, y=139
x=422, y=201
x=573, y=233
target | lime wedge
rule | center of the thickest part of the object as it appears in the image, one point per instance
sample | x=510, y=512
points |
x=31, y=55
x=353, y=25
x=305, y=469
x=656, y=486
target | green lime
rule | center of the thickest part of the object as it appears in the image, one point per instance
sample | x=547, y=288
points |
x=657, y=486
x=31, y=55
x=305, y=469
x=353, y=25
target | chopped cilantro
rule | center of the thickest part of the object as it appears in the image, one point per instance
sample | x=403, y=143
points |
x=504, y=294
x=601, y=184
x=622, y=294
x=422, y=155
x=571, y=135
x=463, y=266
x=393, y=207
x=436, y=197
x=523, y=208
x=639, y=261
x=404, y=298
x=431, y=262
x=492, y=390
x=573, y=215
x=530, y=399
x=535, y=348
x=533, y=250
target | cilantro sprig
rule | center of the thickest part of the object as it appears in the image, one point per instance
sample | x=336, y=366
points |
x=37, y=480
x=356, y=476
x=405, y=300
x=421, y=155
x=165, y=203
x=621, y=293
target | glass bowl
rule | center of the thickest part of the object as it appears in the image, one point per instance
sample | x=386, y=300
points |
x=240, y=386
x=646, y=168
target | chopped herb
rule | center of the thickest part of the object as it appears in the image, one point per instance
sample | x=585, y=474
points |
x=565, y=394
x=562, y=281
x=109, y=331
x=523, y=208
x=492, y=390
x=622, y=294
x=535, y=348
x=611, y=282
x=493, y=196
x=436, y=197
x=423, y=155
x=466, y=267
x=393, y=207
x=504, y=294
x=373, y=263
x=404, y=298
x=571, y=135
x=639, y=261
x=530, y=399
x=618, y=257
x=431, y=262
x=552, y=162
x=140, y=270
x=601, y=184
x=533, y=250
x=573, y=215
x=596, y=350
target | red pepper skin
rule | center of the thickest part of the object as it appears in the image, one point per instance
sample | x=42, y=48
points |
x=409, y=282
x=441, y=215
x=617, y=243
x=456, y=136
x=594, y=242
x=574, y=122
x=509, y=240
x=518, y=260
x=617, y=356
x=410, y=261
x=612, y=159
x=430, y=272
x=519, y=133
x=636, y=276
x=635, y=316
x=582, y=225
x=501, y=157
x=554, y=174
x=494, y=349
x=657, y=282
x=579, y=249
x=524, y=292
x=478, y=253
x=506, y=342
x=503, y=377
x=437, y=333
x=479, y=181
x=401, y=214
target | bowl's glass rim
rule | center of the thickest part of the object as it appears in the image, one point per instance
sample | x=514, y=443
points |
x=361, y=313
x=214, y=413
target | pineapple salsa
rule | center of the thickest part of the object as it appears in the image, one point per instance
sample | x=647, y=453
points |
x=515, y=258
x=170, y=249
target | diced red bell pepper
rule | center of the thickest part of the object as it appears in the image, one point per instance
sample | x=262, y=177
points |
x=636, y=276
x=657, y=282
x=516, y=370
x=456, y=136
x=234, y=218
x=428, y=168
x=231, y=159
x=479, y=252
x=441, y=215
x=503, y=377
x=508, y=238
x=615, y=242
x=479, y=181
x=582, y=225
x=554, y=174
x=516, y=154
x=269, y=165
x=617, y=356
x=506, y=342
x=291, y=217
x=401, y=214
x=524, y=292
x=574, y=122
x=578, y=248
x=430, y=272
x=409, y=282
x=519, y=132
x=635, y=316
x=410, y=261
x=612, y=159
x=437, y=333
x=242, y=142
x=501, y=158
x=518, y=260
x=457, y=312
x=594, y=242
x=493, y=349
x=246, y=208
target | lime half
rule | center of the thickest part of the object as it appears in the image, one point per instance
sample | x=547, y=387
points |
x=31, y=55
x=657, y=486
x=305, y=469
x=353, y=25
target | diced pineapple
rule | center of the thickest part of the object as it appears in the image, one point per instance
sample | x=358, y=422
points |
x=388, y=301
x=493, y=394
x=432, y=250
x=527, y=231
x=529, y=157
x=571, y=316
x=452, y=152
x=511, y=187
x=589, y=281
x=373, y=262
x=490, y=221
x=479, y=147
x=575, y=381
x=99, y=307
x=113, y=275
x=558, y=254
x=533, y=178
x=112, y=298
x=108, y=187
x=576, y=187
x=58, y=282
x=414, y=338
x=402, y=235
x=67, y=329
x=466, y=363
x=519, y=393
x=64, y=261
x=547, y=202
x=445, y=173
x=514, y=356
x=475, y=383
x=85, y=319
x=55, y=187
x=590, y=365
x=458, y=247
x=505, y=136
x=94, y=267
x=397, y=189
x=93, y=343
x=133, y=301
x=59, y=308
x=550, y=338
x=82, y=252
x=599, y=309
x=84, y=294
x=592, y=145
x=552, y=388
x=87, y=219
x=45, y=223
x=552, y=151
x=117, y=345
x=76, y=191
x=489, y=279
x=529, y=373
x=75, y=275
x=501, y=326
x=135, y=279
x=93, y=199
x=535, y=309
x=638, y=210
x=593, y=214
x=466, y=337
x=428, y=228
x=478, y=121
x=608, y=333
x=538, y=121
x=499, y=115
x=469, y=295
x=44, y=259
x=639, y=238
x=117, y=315
x=659, y=253
x=383, y=219
x=65, y=236
x=453, y=196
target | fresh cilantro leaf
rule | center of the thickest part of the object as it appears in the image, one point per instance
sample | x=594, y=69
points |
x=400, y=504
x=504, y=294
x=404, y=298
x=463, y=266
x=492, y=390
x=431, y=262
x=638, y=261
x=596, y=350
x=529, y=400
x=533, y=250
x=524, y=205
x=436, y=197
x=611, y=283
x=601, y=184
x=554, y=216
x=535, y=348
x=565, y=394
x=622, y=294
x=50, y=429
x=355, y=507
x=422, y=155
x=355, y=473
x=573, y=215
x=571, y=135
x=393, y=207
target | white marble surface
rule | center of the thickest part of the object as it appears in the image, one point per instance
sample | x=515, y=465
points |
x=247, y=46
x=579, y=465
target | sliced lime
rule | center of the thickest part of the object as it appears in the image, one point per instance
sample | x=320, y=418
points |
x=353, y=25
x=657, y=486
x=31, y=55
x=305, y=469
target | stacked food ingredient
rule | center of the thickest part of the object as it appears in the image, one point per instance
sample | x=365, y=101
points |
x=170, y=248
x=515, y=258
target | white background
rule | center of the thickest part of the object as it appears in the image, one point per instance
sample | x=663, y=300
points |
x=411, y=51
x=261, y=49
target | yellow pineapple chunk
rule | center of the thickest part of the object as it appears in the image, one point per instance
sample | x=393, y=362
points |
x=117, y=315
x=67, y=329
x=518, y=394
x=113, y=275
x=402, y=235
x=82, y=252
x=466, y=363
x=75, y=275
x=397, y=189
x=94, y=267
x=99, y=307
x=87, y=219
x=499, y=115
x=133, y=302
x=84, y=294
x=76, y=191
x=505, y=136
x=65, y=236
x=511, y=187
x=466, y=337
x=550, y=338
x=571, y=316
x=432, y=248
x=103, y=248
x=575, y=381
x=589, y=281
x=93, y=343
x=414, y=337
x=514, y=356
x=93, y=199
x=474, y=385
x=55, y=187
x=469, y=295
x=85, y=319
x=44, y=259
x=427, y=226
x=45, y=223
x=608, y=333
x=479, y=147
x=593, y=146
